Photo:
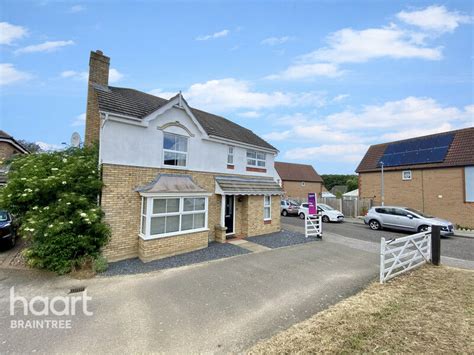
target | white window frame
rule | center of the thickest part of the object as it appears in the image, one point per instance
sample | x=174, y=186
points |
x=267, y=206
x=230, y=155
x=175, y=151
x=406, y=178
x=253, y=161
x=149, y=214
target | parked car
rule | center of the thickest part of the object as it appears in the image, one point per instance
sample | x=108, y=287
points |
x=288, y=207
x=7, y=229
x=328, y=213
x=404, y=218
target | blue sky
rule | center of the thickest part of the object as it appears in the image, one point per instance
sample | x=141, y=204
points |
x=320, y=80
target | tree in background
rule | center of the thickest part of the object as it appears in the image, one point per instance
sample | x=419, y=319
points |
x=54, y=196
x=30, y=146
x=331, y=180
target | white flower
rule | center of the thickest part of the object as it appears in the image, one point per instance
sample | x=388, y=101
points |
x=45, y=234
x=23, y=195
x=9, y=195
x=64, y=182
x=83, y=214
x=51, y=226
x=23, y=179
x=64, y=160
x=35, y=208
x=54, y=169
x=68, y=203
x=46, y=208
x=70, y=222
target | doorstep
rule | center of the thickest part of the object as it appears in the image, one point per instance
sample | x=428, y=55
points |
x=253, y=247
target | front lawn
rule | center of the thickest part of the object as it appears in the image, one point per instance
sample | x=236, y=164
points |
x=429, y=310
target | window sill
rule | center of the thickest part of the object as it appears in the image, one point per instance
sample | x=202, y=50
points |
x=175, y=234
x=230, y=166
x=257, y=170
x=175, y=167
x=267, y=221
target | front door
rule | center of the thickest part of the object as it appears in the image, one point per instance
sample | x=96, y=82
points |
x=229, y=214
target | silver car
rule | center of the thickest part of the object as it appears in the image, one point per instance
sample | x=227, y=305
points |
x=404, y=218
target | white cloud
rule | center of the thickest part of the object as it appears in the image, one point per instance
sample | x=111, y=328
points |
x=10, y=33
x=273, y=41
x=352, y=46
x=250, y=114
x=9, y=74
x=345, y=136
x=350, y=153
x=340, y=98
x=50, y=146
x=215, y=35
x=77, y=8
x=306, y=71
x=434, y=18
x=422, y=112
x=80, y=120
x=48, y=46
x=114, y=75
x=230, y=94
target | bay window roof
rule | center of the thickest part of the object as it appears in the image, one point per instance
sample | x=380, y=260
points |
x=234, y=185
x=172, y=184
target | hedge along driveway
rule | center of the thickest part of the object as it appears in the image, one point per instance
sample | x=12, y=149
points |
x=227, y=305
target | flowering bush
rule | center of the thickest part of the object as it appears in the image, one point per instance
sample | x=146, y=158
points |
x=54, y=196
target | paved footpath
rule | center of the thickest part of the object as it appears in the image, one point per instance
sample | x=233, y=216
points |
x=220, y=306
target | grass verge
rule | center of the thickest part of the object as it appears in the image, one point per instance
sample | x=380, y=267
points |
x=429, y=310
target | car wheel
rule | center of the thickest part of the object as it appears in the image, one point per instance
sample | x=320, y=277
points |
x=374, y=225
x=423, y=228
x=302, y=215
x=12, y=241
x=284, y=213
x=325, y=219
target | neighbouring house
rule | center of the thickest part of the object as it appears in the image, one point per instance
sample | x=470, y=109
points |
x=433, y=173
x=327, y=194
x=339, y=189
x=351, y=195
x=297, y=180
x=9, y=147
x=175, y=177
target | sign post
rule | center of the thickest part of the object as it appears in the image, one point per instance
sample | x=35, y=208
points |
x=313, y=221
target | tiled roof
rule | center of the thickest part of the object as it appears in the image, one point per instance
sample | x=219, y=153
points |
x=138, y=104
x=460, y=153
x=5, y=135
x=235, y=185
x=297, y=172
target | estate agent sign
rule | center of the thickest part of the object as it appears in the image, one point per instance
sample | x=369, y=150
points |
x=312, y=204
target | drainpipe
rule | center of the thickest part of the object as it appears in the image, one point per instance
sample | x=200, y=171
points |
x=382, y=187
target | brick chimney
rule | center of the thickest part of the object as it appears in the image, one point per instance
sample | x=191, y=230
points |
x=98, y=74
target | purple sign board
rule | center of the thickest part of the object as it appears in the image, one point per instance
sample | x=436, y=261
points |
x=312, y=204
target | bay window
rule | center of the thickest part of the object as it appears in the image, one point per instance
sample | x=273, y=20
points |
x=255, y=158
x=175, y=149
x=166, y=216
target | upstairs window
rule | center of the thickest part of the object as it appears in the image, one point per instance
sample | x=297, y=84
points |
x=255, y=158
x=406, y=175
x=175, y=149
x=230, y=156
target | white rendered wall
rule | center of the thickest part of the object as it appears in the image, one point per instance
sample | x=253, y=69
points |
x=127, y=144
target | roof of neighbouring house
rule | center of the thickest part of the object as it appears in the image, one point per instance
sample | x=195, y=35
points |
x=5, y=136
x=353, y=193
x=339, y=188
x=139, y=104
x=297, y=172
x=459, y=151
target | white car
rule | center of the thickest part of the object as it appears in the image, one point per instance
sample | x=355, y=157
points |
x=328, y=213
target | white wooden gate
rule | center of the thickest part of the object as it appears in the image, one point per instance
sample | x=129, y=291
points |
x=403, y=254
x=313, y=226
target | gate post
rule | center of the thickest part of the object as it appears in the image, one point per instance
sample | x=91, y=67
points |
x=435, y=245
x=382, y=260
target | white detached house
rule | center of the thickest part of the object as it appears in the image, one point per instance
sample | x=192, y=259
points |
x=175, y=177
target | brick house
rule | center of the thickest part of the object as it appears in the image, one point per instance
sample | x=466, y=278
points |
x=9, y=147
x=434, y=174
x=297, y=180
x=175, y=177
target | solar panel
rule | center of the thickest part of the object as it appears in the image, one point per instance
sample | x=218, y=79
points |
x=417, y=151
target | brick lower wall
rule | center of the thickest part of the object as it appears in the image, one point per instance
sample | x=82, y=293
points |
x=122, y=204
x=7, y=151
x=294, y=189
x=439, y=192
x=163, y=247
